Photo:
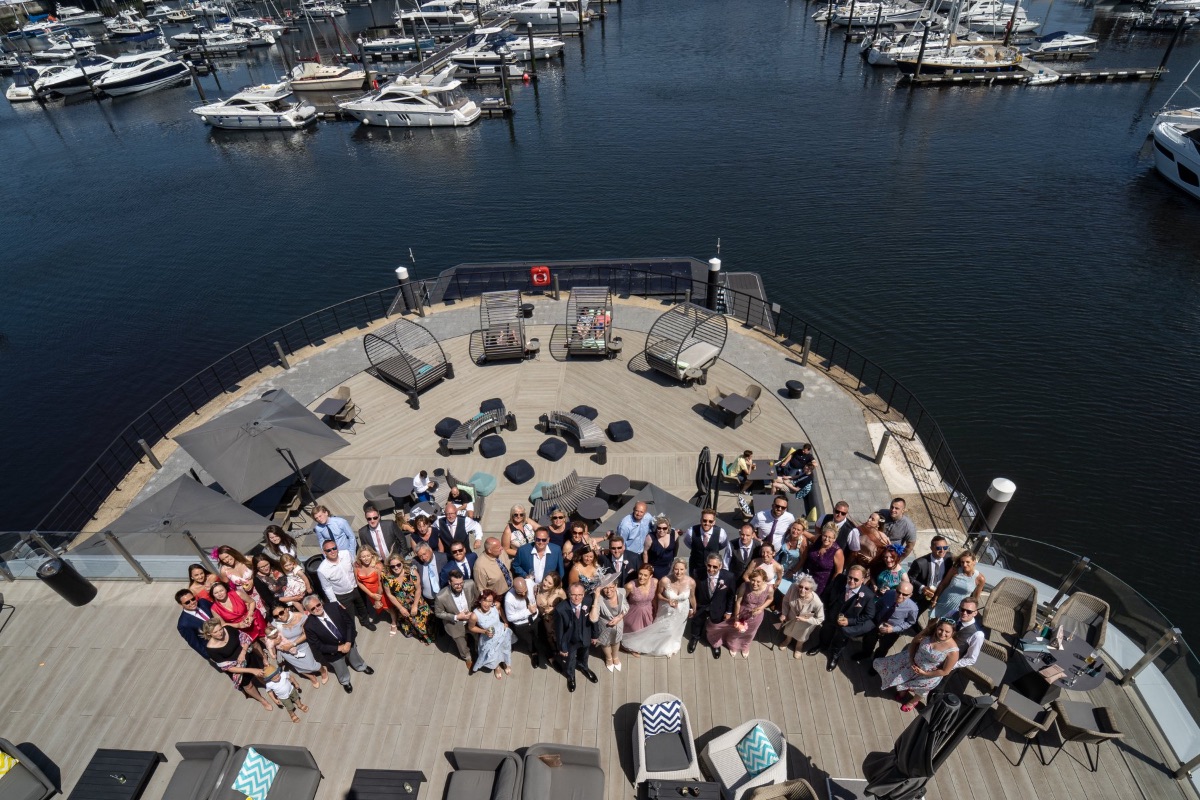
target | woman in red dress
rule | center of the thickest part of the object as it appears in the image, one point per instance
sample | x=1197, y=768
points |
x=236, y=613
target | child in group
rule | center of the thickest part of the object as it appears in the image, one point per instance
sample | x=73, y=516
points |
x=279, y=683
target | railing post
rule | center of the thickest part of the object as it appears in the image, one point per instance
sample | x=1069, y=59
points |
x=807, y=349
x=6, y=573
x=1082, y=565
x=125, y=554
x=557, y=294
x=687, y=295
x=1166, y=640
x=282, y=357
x=149, y=454
x=979, y=545
x=883, y=443
x=204, y=559
x=42, y=543
x=1186, y=770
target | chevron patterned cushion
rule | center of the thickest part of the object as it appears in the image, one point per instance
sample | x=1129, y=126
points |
x=662, y=717
x=756, y=751
x=256, y=775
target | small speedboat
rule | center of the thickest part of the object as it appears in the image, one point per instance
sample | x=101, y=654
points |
x=428, y=101
x=1062, y=42
x=264, y=107
x=1177, y=155
x=65, y=80
x=74, y=15
x=142, y=71
x=309, y=76
x=20, y=93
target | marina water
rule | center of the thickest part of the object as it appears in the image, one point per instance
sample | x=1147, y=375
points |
x=1003, y=251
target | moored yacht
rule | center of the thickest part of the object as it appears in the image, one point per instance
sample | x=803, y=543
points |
x=490, y=39
x=963, y=60
x=321, y=9
x=310, y=76
x=546, y=12
x=40, y=25
x=216, y=41
x=65, y=47
x=128, y=24
x=63, y=79
x=430, y=101
x=1062, y=42
x=159, y=11
x=265, y=107
x=140, y=72
x=1177, y=155
x=74, y=15
x=994, y=17
x=868, y=14
x=180, y=15
x=438, y=15
x=398, y=45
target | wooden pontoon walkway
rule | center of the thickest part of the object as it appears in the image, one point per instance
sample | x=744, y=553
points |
x=116, y=674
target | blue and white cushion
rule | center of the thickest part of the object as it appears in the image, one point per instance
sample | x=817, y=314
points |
x=662, y=717
x=256, y=776
x=756, y=751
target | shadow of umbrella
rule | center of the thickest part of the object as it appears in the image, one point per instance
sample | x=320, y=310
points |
x=924, y=746
x=259, y=444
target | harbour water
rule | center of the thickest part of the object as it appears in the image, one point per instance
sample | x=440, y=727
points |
x=1003, y=251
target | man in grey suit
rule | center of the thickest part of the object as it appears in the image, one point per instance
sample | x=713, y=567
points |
x=382, y=534
x=453, y=607
x=429, y=567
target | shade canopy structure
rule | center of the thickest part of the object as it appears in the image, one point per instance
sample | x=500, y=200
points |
x=686, y=337
x=155, y=526
x=259, y=444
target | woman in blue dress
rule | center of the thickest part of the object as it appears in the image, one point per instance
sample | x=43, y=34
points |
x=494, y=637
x=960, y=583
x=662, y=546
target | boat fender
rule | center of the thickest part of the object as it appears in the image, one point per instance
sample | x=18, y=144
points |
x=374, y=84
x=540, y=276
x=525, y=77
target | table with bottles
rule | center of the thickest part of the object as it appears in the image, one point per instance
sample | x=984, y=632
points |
x=1080, y=661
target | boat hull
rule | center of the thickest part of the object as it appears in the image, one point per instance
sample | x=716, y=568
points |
x=259, y=122
x=385, y=118
x=328, y=84
x=178, y=73
x=1176, y=159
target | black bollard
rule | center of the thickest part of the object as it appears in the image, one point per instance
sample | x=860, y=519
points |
x=532, y=56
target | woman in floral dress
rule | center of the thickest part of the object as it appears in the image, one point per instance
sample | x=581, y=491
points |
x=918, y=668
x=403, y=588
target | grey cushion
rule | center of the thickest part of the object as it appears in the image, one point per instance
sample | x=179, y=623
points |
x=492, y=446
x=585, y=411
x=470, y=784
x=666, y=752
x=552, y=449
x=491, y=405
x=1081, y=715
x=19, y=784
x=620, y=431
x=189, y=781
x=446, y=427
x=993, y=668
x=519, y=471
x=505, y=787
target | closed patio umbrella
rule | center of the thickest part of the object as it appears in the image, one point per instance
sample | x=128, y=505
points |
x=259, y=444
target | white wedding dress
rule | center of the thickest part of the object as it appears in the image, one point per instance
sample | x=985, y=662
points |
x=663, y=636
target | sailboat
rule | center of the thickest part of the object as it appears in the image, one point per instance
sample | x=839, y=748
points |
x=313, y=76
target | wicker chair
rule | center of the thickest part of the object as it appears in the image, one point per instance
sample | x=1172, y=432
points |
x=722, y=763
x=644, y=767
x=1024, y=717
x=788, y=790
x=989, y=669
x=754, y=392
x=1087, y=724
x=349, y=413
x=1084, y=615
x=1011, y=609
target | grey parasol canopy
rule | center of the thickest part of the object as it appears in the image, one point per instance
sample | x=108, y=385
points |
x=259, y=444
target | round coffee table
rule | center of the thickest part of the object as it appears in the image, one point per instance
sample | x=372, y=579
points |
x=592, y=509
x=612, y=487
x=401, y=487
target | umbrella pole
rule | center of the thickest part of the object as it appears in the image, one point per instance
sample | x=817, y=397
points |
x=204, y=559
x=307, y=495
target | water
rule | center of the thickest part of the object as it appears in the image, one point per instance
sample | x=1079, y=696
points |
x=1003, y=251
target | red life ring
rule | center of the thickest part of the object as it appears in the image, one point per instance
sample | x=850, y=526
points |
x=540, y=276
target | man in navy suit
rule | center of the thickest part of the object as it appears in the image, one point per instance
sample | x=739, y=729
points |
x=849, y=614
x=538, y=558
x=461, y=561
x=576, y=633
x=194, y=614
x=331, y=633
x=714, y=600
x=619, y=561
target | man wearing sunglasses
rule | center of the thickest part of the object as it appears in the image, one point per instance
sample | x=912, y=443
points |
x=538, y=558
x=926, y=572
x=772, y=523
x=460, y=561
x=841, y=518
x=382, y=534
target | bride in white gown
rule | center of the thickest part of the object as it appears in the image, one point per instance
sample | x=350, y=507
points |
x=676, y=605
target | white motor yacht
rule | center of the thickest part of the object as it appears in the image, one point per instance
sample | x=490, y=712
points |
x=993, y=16
x=142, y=71
x=19, y=93
x=321, y=9
x=867, y=14
x=157, y=12
x=309, y=76
x=65, y=47
x=260, y=25
x=438, y=15
x=1177, y=155
x=68, y=79
x=1062, y=42
x=545, y=12
x=74, y=15
x=398, y=45
x=1177, y=5
x=34, y=28
x=215, y=42
x=489, y=39
x=265, y=107
x=127, y=24
x=429, y=101
x=180, y=15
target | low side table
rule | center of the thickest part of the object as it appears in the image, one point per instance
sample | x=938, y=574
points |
x=330, y=406
x=116, y=775
x=670, y=790
x=592, y=509
x=385, y=784
x=613, y=487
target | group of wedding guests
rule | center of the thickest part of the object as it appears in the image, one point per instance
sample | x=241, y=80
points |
x=558, y=593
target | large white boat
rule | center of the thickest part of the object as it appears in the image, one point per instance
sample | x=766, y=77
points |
x=321, y=9
x=429, y=101
x=37, y=27
x=1176, y=5
x=64, y=79
x=65, y=47
x=884, y=51
x=398, y=45
x=127, y=24
x=74, y=15
x=180, y=15
x=493, y=38
x=867, y=14
x=1062, y=42
x=546, y=12
x=438, y=15
x=1177, y=155
x=993, y=16
x=974, y=59
x=157, y=12
x=215, y=41
x=265, y=107
x=309, y=76
x=140, y=72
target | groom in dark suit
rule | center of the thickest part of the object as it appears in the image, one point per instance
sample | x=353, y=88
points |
x=620, y=561
x=194, y=614
x=849, y=614
x=714, y=601
x=575, y=633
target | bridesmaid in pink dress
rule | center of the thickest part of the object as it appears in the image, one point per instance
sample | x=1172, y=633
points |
x=737, y=632
x=639, y=593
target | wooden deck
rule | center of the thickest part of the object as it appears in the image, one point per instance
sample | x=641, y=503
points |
x=116, y=674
